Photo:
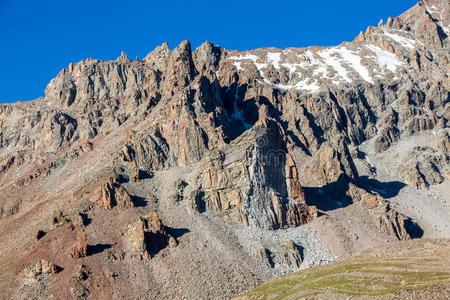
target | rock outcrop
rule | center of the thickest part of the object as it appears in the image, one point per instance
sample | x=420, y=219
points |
x=386, y=219
x=78, y=287
x=243, y=117
x=148, y=236
x=41, y=268
x=286, y=254
x=37, y=280
x=255, y=182
x=221, y=117
x=79, y=249
x=111, y=193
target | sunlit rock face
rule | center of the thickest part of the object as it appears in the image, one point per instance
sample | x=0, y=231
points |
x=254, y=122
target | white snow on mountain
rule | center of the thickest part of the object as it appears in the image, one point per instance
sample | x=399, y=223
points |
x=404, y=41
x=341, y=64
x=335, y=62
x=274, y=58
x=385, y=59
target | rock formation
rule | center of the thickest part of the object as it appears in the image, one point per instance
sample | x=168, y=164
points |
x=386, y=219
x=41, y=268
x=111, y=193
x=148, y=236
x=79, y=249
x=285, y=254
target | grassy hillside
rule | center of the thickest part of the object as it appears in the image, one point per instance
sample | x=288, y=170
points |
x=406, y=270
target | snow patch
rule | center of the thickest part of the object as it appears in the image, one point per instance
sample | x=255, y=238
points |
x=301, y=85
x=310, y=60
x=385, y=59
x=251, y=57
x=291, y=67
x=331, y=59
x=355, y=61
x=340, y=59
x=237, y=64
x=405, y=42
x=274, y=58
x=247, y=56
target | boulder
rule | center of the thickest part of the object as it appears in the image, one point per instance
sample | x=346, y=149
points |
x=112, y=193
x=385, y=218
x=148, y=236
x=41, y=268
x=285, y=255
x=79, y=249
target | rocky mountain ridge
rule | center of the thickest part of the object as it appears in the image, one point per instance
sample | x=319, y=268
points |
x=253, y=145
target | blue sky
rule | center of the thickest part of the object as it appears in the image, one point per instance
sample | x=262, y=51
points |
x=39, y=38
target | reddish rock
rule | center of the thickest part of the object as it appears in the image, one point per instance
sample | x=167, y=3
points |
x=79, y=249
x=111, y=193
x=42, y=268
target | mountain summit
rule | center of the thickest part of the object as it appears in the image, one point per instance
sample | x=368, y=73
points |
x=201, y=174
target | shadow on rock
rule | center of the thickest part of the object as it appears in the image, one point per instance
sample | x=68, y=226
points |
x=157, y=241
x=385, y=189
x=176, y=232
x=85, y=219
x=138, y=201
x=96, y=249
x=330, y=196
x=334, y=195
x=145, y=175
x=413, y=229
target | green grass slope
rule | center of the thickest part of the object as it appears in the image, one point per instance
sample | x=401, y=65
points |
x=418, y=269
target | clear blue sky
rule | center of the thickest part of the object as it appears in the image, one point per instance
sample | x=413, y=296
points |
x=39, y=37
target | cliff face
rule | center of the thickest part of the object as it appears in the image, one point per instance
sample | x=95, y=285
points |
x=267, y=138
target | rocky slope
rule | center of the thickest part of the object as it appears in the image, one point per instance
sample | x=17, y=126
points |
x=203, y=173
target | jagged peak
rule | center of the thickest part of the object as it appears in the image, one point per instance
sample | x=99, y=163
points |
x=439, y=10
x=425, y=12
x=207, y=55
x=123, y=57
x=183, y=48
x=162, y=50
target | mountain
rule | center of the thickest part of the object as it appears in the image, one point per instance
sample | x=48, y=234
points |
x=202, y=174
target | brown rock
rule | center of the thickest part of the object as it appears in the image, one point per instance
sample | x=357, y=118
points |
x=385, y=218
x=42, y=268
x=263, y=255
x=138, y=241
x=148, y=236
x=135, y=172
x=111, y=193
x=79, y=220
x=81, y=273
x=123, y=198
x=60, y=219
x=195, y=200
x=179, y=187
x=386, y=137
x=327, y=167
x=105, y=196
x=79, y=249
x=153, y=222
x=285, y=254
x=294, y=189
